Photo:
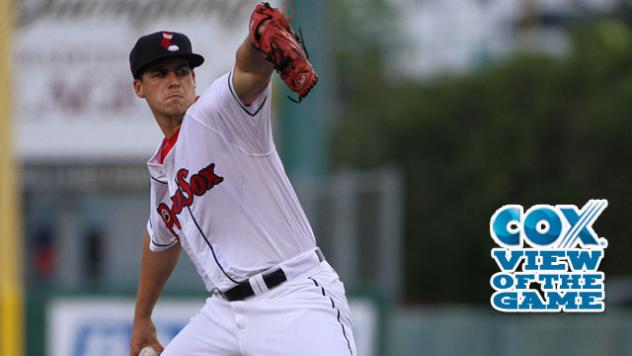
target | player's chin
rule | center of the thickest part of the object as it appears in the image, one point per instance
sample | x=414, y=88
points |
x=176, y=108
x=174, y=101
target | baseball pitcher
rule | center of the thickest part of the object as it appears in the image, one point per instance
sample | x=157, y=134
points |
x=220, y=193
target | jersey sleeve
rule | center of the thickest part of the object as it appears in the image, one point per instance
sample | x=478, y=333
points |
x=156, y=242
x=160, y=237
x=247, y=128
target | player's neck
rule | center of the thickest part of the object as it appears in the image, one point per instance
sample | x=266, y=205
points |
x=169, y=124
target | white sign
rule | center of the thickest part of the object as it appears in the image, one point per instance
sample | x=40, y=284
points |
x=73, y=88
x=102, y=326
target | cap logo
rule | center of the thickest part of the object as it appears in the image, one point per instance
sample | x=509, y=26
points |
x=166, y=40
x=173, y=48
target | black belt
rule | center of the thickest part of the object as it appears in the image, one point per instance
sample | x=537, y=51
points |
x=272, y=279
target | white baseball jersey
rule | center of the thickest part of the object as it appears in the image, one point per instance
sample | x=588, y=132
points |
x=223, y=194
x=222, y=191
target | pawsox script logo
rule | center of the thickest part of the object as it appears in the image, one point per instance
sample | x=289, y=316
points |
x=549, y=258
x=198, y=185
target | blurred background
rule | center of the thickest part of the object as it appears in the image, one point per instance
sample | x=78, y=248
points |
x=429, y=115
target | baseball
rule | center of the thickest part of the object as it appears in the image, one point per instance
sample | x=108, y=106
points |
x=147, y=351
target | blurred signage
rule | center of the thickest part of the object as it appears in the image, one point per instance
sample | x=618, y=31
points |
x=102, y=326
x=72, y=84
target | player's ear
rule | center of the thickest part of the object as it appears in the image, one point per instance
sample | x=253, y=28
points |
x=138, y=88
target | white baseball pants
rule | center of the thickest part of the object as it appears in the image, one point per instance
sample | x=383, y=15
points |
x=307, y=316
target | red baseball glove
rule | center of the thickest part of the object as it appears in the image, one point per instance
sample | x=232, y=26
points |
x=283, y=48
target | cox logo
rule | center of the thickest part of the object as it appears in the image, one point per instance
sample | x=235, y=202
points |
x=559, y=226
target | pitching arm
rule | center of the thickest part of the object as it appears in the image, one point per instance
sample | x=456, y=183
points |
x=252, y=72
x=155, y=269
x=272, y=44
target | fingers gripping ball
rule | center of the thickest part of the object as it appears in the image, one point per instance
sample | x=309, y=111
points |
x=148, y=351
x=283, y=48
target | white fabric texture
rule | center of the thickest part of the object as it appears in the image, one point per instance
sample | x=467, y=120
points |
x=307, y=316
x=249, y=221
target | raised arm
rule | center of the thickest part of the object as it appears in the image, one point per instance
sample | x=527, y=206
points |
x=252, y=71
x=155, y=269
x=271, y=45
